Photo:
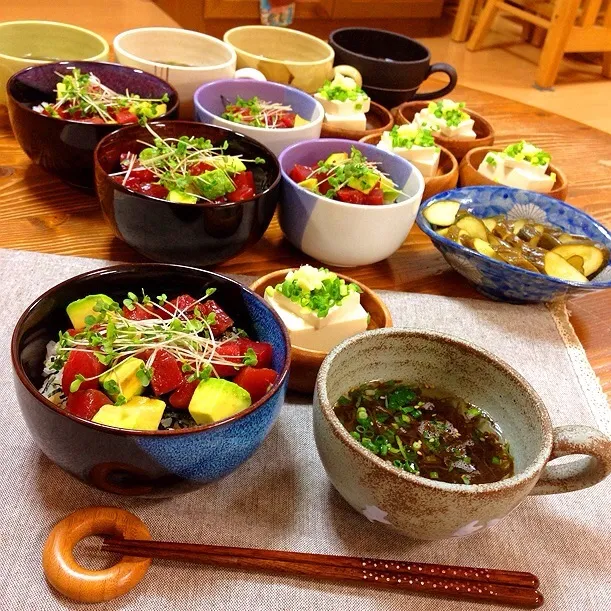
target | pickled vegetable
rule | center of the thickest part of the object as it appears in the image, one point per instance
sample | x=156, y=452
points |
x=521, y=242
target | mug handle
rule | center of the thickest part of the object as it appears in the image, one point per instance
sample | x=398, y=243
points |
x=439, y=67
x=577, y=474
x=350, y=71
x=250, y=73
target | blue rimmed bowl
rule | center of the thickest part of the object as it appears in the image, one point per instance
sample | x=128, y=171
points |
x=497, y=279
x=144, y=463
x=342, y=234
x=209, y=106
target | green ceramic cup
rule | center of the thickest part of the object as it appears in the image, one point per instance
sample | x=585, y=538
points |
x=28, y=43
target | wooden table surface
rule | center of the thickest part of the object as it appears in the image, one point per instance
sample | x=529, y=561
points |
x=38, y=212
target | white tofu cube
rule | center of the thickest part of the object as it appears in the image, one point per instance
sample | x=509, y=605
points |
x=510, y=162
x=493, y=171
x=425, y=158
x=462, y=131
x=347, y=320
x=349, y=107
x=520, y=179
x=357, y=121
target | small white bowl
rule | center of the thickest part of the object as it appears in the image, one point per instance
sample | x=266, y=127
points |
x=158, y=50
x=208, y=101
x=341, y=234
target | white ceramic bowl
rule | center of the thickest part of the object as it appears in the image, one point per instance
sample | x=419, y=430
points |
x=209, y=106
x=158, y=50
x=340, y=234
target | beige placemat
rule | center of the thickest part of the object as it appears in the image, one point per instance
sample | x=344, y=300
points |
x=281, y=498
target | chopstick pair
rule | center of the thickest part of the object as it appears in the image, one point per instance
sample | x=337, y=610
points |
x=485, y=585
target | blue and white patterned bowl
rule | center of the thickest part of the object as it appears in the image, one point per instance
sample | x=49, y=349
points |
x=497, y=279
x=145, y=463
x=341, y=234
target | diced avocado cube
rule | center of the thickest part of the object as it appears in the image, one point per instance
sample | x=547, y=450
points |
x=81, y=308
x=230, y=164
x=139, y=413
x=125, y=376
x=309, y=183
x=364, y=183
x=213, y=184
x=61, y=90
x=181, y=198
x=390, y=191
x=160, y=109
x=215, y=399
x=336, y=158
x=299, y=121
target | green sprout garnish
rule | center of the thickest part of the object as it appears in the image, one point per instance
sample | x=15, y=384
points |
x=524, y=151
x=87, y=95
x=354, y=171
x=332, y=91
x=171, y=161
x=416, y=137
x=260, y=113
x=453, y=114
x=331, y=292
x=114, y=338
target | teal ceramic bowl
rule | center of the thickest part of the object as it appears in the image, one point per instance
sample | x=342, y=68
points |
x=29, y=43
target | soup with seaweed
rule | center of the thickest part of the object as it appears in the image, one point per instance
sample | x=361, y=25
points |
x=425, y=432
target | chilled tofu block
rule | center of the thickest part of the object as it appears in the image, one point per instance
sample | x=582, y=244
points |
x=357, y=121
x=528, y=167
x=349, y=303
x=425, y=158
x=347, y=322
x=348, y=107
x=520, y=179
x=493, y=167
x=462, y=131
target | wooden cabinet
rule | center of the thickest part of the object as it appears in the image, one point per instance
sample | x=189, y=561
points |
x=249, y=9
x=318, y=17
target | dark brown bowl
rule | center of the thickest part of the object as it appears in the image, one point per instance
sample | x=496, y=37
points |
x=379, y=119
x=306, y=363
x=147, y=463
x=447, y=171
x=196, y=234
x=469, y=174
x=65, y=147
x=459, y=148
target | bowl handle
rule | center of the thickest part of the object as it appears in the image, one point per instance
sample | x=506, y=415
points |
x=579, y=473
x=250, y=73
x=439, y=67
x=350, y=71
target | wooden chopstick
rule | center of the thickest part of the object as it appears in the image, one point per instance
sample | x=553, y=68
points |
x=503, y=587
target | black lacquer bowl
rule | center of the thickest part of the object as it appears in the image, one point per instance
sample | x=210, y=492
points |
x=144, y=463
x=65, y=147
x=196, y=234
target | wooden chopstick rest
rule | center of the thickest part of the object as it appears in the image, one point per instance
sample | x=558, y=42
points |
x=132, y=540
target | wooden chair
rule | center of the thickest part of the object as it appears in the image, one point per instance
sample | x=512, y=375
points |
x=570, y=28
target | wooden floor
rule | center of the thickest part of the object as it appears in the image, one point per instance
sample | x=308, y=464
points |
x=506, y=67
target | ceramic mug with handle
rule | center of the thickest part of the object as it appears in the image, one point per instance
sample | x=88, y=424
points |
x=287, y=56
x=393, y=66
x=424, y=508
x=184, y=58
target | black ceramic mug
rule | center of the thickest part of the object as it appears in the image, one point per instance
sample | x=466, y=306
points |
x=393, y=66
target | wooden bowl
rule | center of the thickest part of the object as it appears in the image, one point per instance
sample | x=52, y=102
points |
x=306, y=363
x=447, y=172
x=459, y=148
x=470, y=176
x=379, y=119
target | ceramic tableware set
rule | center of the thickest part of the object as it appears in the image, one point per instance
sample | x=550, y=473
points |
x=199, y=72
